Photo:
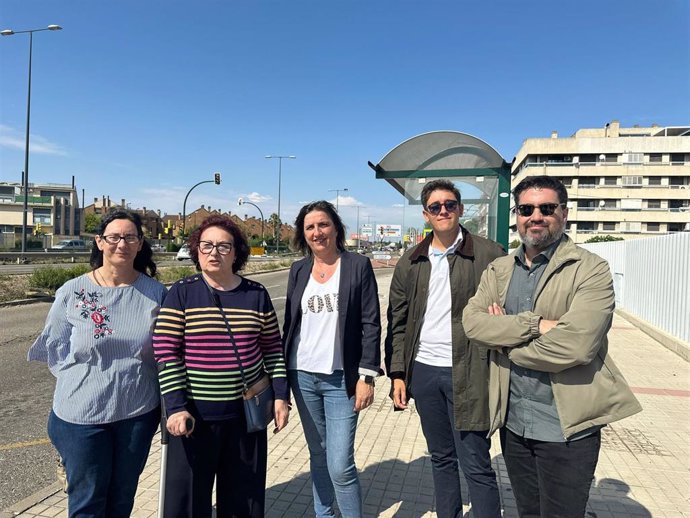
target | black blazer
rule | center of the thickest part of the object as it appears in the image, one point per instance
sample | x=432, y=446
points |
x=359, y=315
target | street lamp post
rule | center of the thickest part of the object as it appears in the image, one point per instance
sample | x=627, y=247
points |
x=25, y=176
x=216, y=180
x=337, y=196
x=280, y=171
x=241, y=202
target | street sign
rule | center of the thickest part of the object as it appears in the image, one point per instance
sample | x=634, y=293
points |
x=389, y=230
x=381, y=256
x=366, y=230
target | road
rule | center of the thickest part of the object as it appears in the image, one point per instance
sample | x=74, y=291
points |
x=27, y=460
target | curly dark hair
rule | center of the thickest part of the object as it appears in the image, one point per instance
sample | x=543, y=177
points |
x=239, y=241
x=438, y=185
x=541, y=182
x=143, y=262
x=299, y=242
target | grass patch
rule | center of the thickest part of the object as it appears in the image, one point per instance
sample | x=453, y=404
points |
x=51, y=278
x=170, y=274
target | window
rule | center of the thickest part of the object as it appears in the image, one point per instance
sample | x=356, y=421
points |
x=631, y=204
x=588, y=159
x=585, y=226
x=677, y=158
x=632, y=158
x=632, y=181
x=608, y=227
x=654, y=180
x=653, y=227
x=678, y=227
x=610, y=180
x=653, y=204
x=631, y=226
x=675, y=180
x=586, y=204
x=588, y=182
x=42, y=216
x=655, y=157
x=607, y=204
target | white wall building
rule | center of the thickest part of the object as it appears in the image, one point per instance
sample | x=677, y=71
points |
x=624, y=182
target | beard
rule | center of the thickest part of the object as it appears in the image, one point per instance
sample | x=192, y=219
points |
x=543, y=240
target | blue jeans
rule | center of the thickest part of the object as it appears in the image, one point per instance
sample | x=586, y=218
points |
x=103, y=462
x=432, y=389
x=329, y=423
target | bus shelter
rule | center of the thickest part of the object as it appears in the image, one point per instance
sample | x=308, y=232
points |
x=478, y=171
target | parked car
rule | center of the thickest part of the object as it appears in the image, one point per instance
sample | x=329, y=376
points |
x=183, y=253
x=71, y=244
x=158, y=248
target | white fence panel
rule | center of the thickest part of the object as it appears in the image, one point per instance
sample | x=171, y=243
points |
x=652, y=279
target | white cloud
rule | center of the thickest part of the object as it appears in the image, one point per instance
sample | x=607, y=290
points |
x=13, y=139
x=255, y=197
x=346, y=201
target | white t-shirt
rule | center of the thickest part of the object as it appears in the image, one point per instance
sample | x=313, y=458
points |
x=436, y=337
x=317, y=347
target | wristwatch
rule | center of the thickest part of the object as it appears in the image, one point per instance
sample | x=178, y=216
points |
x=369, y=380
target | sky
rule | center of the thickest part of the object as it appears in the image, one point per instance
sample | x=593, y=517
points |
x=142, y=99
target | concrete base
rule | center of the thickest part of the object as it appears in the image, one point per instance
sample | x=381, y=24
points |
x=671, y=343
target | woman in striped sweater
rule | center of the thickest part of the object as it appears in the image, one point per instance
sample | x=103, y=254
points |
x=200, y=378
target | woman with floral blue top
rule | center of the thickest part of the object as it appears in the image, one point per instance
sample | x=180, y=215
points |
x=97, y=342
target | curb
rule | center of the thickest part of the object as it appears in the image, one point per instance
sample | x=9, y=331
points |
x=21, y=302
x=31, y=500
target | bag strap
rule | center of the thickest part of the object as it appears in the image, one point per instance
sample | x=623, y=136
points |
x=216, y=301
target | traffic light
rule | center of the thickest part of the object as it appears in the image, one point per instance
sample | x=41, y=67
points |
x=216, y=178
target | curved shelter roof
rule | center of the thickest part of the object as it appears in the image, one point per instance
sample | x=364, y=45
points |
x=453, y=155
x=442, y=150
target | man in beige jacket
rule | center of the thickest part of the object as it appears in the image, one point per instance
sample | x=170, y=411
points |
x=545, y=311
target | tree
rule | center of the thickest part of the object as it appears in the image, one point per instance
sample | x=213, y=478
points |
x=91, y=222
x=275, y=223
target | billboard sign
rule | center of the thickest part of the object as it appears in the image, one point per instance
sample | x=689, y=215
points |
x=388, y=231
x=367, y=230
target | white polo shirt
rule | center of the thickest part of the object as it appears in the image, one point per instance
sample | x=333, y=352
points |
x=436, y=337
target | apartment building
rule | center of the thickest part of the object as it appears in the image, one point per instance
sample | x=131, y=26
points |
x=52, y=211
x=624, y=182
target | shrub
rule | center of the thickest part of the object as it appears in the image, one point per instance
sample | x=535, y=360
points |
x=51, y=278
x=171, y=274
x=515, y=243
x=603, y=239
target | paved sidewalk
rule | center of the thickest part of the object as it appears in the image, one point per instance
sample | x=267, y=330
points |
x=643, y=468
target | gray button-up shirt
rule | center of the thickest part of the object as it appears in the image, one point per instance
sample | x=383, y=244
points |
x=532, y=411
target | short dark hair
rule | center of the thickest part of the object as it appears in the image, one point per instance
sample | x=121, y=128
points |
x=226, y=223
x=439, y=185
x=541, y=182
x=143, y=261
x=299, y=242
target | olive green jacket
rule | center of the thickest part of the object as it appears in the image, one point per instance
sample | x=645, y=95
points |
x=407, y=306
x=576, y=289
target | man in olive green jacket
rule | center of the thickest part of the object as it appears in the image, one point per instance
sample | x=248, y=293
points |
x=429, y=358
x=545, y=311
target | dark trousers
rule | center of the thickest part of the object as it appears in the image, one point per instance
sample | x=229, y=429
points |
x=223, y=451
x=103, y=462
x=550, y=479
x=433, y=393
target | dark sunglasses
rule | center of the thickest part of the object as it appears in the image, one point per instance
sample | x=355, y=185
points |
x=546, y=209
x=435, y=208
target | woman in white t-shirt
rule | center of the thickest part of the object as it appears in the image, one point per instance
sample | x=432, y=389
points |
x=332, y=336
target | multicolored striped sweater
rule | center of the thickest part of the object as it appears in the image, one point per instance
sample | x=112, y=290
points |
x=197, y=365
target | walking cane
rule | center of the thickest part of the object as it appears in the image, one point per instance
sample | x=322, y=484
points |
x=165, y=437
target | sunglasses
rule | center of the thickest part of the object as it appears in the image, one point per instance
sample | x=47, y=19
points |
x=435, y=208
x=546, y=209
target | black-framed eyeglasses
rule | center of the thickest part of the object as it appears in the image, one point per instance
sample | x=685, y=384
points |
x=113, y=239
x=546, y=209
x=435, y=208
x=206, y=247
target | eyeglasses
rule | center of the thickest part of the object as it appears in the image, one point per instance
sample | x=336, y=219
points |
x=113, y=239
x=206, y=247
x=435, y=208
x=546, y=209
